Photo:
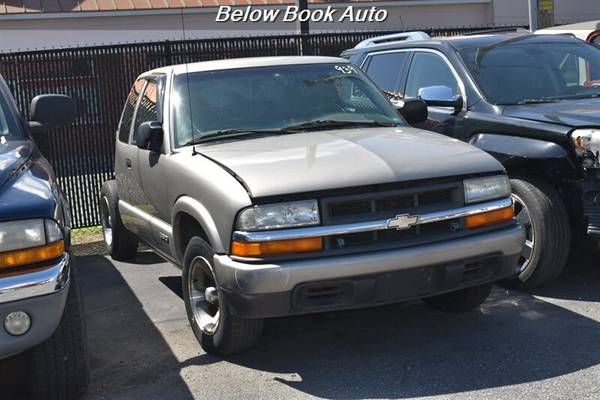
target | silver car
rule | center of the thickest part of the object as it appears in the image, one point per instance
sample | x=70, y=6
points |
x=291, y=185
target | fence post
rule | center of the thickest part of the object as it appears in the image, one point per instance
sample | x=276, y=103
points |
x=168, y=53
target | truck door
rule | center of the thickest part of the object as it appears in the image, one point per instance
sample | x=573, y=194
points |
x=152, y=170
x=126, y=174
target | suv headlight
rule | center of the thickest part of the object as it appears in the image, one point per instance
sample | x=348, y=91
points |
x=30, y=241
x=487, y=188
x=277, y=216
x=587, y=141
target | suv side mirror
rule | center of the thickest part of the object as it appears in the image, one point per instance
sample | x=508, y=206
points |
x=414, y=111
x=149, y=136
x=49, y=111
x=441, y=96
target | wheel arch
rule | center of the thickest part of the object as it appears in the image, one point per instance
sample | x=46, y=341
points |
x=191, y=218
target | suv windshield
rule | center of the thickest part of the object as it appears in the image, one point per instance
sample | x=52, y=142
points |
x=276, y=100
x=514, y=72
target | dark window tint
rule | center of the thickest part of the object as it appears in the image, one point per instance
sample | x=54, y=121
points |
x=127, y=116
x=522, y=72
x=147, y=109
x=385, y=69
x=427, y=70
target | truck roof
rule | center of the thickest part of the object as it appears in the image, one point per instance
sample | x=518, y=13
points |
x=250, y=62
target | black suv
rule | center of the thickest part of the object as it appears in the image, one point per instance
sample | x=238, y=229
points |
x=42, y=333
x=533, y=102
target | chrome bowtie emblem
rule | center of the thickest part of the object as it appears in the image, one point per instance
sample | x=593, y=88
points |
x=403, y=221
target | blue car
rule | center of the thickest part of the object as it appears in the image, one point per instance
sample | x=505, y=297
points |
x=42, y=335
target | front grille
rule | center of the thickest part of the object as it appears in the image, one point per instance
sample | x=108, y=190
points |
x=383, y=205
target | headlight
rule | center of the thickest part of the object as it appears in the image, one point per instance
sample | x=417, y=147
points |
x=487, y=188
x=587, y=142
x=276, y=216
x=29, y=241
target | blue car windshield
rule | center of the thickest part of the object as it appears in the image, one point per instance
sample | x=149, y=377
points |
x=517, y=72
x=9, y=129
x=275, y=99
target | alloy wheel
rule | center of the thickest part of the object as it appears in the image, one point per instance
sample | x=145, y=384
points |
x=106, y=221
x=204, y=296
x=523, y=215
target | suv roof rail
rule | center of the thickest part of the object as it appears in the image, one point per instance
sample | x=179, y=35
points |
x=517, y=29
x=394, y=37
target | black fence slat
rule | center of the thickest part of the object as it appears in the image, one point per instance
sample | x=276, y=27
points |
x=99, y=78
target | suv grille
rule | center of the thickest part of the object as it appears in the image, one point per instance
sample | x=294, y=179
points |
x=383, y=205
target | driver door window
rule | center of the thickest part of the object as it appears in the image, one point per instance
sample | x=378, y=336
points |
x=429, y=69
x=147, y=109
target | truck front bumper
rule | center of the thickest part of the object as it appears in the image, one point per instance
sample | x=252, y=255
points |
x=353, y=281
x=42, y=294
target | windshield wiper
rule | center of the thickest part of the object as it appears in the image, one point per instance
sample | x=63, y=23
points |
x=318, y=124
x=331, y=123
x=535, y=101
x=231, y=133
x=579, y=96
x=556, y=99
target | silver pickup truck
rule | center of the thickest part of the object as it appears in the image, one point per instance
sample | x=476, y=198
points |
x=291, y=185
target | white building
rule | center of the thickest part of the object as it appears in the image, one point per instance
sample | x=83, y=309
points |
x=38, y=24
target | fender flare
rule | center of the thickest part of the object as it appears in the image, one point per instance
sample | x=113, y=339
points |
x=193, y=207
x=517, y=150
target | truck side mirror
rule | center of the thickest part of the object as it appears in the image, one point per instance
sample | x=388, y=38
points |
x=441, y=96
x=414, y=111
x=48, y=111
x=149, y=136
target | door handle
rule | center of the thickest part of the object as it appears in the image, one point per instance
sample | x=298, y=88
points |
x=128, y=163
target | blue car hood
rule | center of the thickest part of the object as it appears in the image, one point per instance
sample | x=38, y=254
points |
x=13, y=155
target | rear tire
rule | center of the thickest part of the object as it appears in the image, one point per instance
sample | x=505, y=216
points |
x=120, y=242
x=539, y=207
x=461, y=300
x=217, y=330
x=58, y=369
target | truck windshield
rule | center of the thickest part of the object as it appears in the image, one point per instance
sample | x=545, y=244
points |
x=516, y=72
x=276, y=100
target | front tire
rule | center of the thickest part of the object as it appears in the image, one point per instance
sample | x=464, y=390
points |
x=540, y=209
x=216, y=329
x=121, y=243
x=461, y=300
x=56, y=369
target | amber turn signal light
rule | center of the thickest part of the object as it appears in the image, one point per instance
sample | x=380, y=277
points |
x=489, y=218
x=275, y=247
x=18, y=258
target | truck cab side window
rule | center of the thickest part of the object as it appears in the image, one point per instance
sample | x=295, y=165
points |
x=427, y=70
x=127, y=116
x=147, y=110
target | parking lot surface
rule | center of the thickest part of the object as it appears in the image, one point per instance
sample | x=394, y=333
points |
x=539, y=345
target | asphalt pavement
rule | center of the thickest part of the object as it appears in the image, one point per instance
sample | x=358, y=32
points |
x=539, y=345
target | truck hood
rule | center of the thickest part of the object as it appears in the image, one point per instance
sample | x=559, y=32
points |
x=311, y=161
x=13, y=154
x=573, y=113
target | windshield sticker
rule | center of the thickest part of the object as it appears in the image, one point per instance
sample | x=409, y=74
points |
x=345, y=69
